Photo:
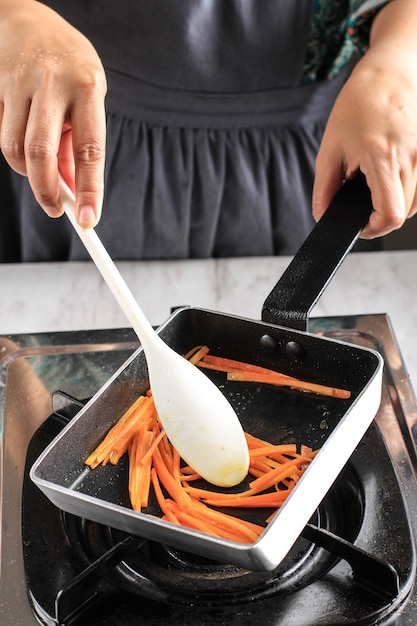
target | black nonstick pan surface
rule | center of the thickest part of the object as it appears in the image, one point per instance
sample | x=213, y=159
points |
x=279, y=341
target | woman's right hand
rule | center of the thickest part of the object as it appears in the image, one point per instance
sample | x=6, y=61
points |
x=52, y=118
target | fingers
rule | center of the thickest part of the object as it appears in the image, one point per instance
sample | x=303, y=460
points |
x=327, y=183
x=13, y=124
x=52, y=109
x=88, y=144
x=393, y=193
x=40, y=137
x=78, y=152
x=390, y=174
x=41, y=146
x=388, y=201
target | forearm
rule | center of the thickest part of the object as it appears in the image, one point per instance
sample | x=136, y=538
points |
x=396, y=25
x=393, y=38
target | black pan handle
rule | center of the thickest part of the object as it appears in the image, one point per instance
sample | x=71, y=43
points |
x=301, y=285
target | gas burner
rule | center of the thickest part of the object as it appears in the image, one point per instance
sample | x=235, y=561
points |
x=67, y=571
x=152, y=567
x=99, y=557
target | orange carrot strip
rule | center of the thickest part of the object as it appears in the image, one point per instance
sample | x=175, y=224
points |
x=196, y=355
x=144, y=470
x=274, y=378
x=120, y=434
x=132, y=475
x=227, y=522
x=165, y=450
x=264, y=500
x=113, y=434
x=276, y=475
x=172, y=485
x=269, y=450
x=162, y=501
x=197, y=493
x=147, y=414
x=176, y=460
x=218, y=524
x=259, y=465
x=139, y=475
x=188, y=519
x=256, y=473
x=225, y=364
x=255, y=442
x=156, y=439
x=188, y=474
x=241, y=371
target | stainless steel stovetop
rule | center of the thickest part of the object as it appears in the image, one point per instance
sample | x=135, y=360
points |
x=32, y=367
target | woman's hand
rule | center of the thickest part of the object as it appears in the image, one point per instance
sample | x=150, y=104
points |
x=52, y=90
x=373, y=125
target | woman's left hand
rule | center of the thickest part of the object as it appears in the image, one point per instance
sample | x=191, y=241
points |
x=373, y=124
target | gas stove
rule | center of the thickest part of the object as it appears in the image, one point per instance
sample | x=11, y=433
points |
x=354, y=563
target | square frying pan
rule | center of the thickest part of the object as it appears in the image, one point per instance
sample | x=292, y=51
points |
x=279, y=341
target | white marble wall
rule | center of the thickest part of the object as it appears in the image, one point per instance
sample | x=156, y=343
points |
x=73, y=296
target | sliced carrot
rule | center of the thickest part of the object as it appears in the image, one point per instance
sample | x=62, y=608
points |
x=145, y=415
x=171, y=484
x=223, y=364
x=271, y=500
x=153, y=460
x=162, y=501
x=281, y=380
x=276, y=475
x=197, y=354
x=241, y=371
x=121, y=433
x=270, y=450
x=223, y=520
x=187, y=519
x=158, y=436
x=144, y=469
x=198, y=493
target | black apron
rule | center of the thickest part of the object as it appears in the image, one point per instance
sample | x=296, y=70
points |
x=211, y=140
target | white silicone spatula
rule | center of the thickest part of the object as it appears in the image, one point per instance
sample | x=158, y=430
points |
x=196, y=416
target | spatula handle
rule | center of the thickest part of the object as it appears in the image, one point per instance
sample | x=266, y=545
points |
x=107, y=268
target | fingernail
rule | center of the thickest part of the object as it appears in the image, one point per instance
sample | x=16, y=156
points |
x=87, y=216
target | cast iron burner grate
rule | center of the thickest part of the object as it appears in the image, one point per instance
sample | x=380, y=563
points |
x=79, y=571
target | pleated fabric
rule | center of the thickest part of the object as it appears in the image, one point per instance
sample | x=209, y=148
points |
x=211, y=142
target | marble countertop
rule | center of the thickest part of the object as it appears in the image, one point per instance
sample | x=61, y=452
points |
x=72, y=296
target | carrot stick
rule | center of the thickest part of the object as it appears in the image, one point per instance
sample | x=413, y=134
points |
x=188, y=474
x=186, y=519
x=195, y=355
x=146, y=415
x=172, y=485
x=270, y=450
x=227, y=522
x=203, y=518
x=224, y=364
x=197, y=493
x=281, y=380
x=162, y=501
x=139, y=472
x=267, y=500
x=123, y=430
x=132, y=475
x=144, y=469
x=156, y=439
x=153, y=461
x=241, y=371
x=276, y=475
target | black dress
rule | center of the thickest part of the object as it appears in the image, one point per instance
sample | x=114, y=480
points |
x=212, y=136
